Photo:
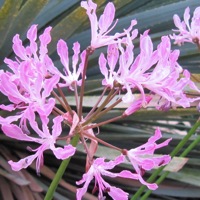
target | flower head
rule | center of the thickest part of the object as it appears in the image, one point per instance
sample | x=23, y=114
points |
x=102, y=27
x=187, y=32
x=143, y=159
x=45, y=139
x=155, y=70
x=97, y=169
x=71, y=76
x=31, y=81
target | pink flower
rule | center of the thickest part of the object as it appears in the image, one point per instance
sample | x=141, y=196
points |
x=97, y=169
x=112, y=59
x=33, y=55
x=155, y=70
x=73, y=75
x=45, y=139
x=187, y=32
x=101, y=28
x=135, y=106
x=31, y=81
x=164, y=80
x=142, y=158
x=115, y=76
x=100, y=168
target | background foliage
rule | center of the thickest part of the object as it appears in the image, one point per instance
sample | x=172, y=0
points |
x=70, y=23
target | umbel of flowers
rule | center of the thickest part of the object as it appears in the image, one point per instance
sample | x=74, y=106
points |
x=33, y=84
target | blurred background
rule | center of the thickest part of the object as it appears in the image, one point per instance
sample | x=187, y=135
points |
x=70, y=22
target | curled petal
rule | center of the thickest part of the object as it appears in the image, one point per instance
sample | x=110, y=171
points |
x=45, y=39
x=57, y=128
x=32, y=36
x=63, y=153
x=23, y=163
x=129, y=175
x=18, y=48
x=13, y=131
x=106, y=19
x=136, y=105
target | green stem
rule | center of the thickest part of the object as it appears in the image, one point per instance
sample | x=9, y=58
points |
x=173, y=153
x=60, y=172
x=165, y=174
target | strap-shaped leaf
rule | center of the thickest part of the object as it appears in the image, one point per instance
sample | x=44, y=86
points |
x=8, y=13
x=23, y=19
x=52, y=10
x=69, y=25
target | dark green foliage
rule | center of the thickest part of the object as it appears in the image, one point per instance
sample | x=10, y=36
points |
x=69, y=22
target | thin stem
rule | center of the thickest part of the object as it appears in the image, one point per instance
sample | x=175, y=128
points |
x=58, y=110
x=102, y=142
x=97, y=103
x=60, y=172
x=68, y=108
x=60, y=101
x=165, y=174
x=86, y=147
x=89, y=51
x=172, y=154
x=103, y=123
x=107, y=109
x=76, y=96
x=106, y=101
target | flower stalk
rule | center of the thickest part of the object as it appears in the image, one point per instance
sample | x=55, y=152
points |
x=61, y=170
x=32, y=79
x=172, y=154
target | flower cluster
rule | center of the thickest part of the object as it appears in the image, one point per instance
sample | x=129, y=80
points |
x=187, y=32
x=34, y=86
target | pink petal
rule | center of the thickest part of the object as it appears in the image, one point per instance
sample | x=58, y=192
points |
x=112, y=56
x=23, y=163
x=62, y=50
x=106, y=19
x=111, y=164
x=136, y=105
x=81, y=65
x=13, y=131
x=63, y=153
x=156, y=136
x=177, y=21
x=87, y=179
x=32, y=33
x=45, y=39
x=76, y=49
x=151, y=186
x=186, y=16
x=18, y=47
x=13, y=65
x=49, y=85
x=117, y=193
x=57, y=128
x=92, y=148
x=46, y=109
x=10, y=107
x=10, y=119
x=32, y=36
x=74, y=123
x=11, y=89
x=102, y=65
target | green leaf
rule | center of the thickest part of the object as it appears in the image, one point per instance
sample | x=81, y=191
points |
x=22, y=19
x=8, y=12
